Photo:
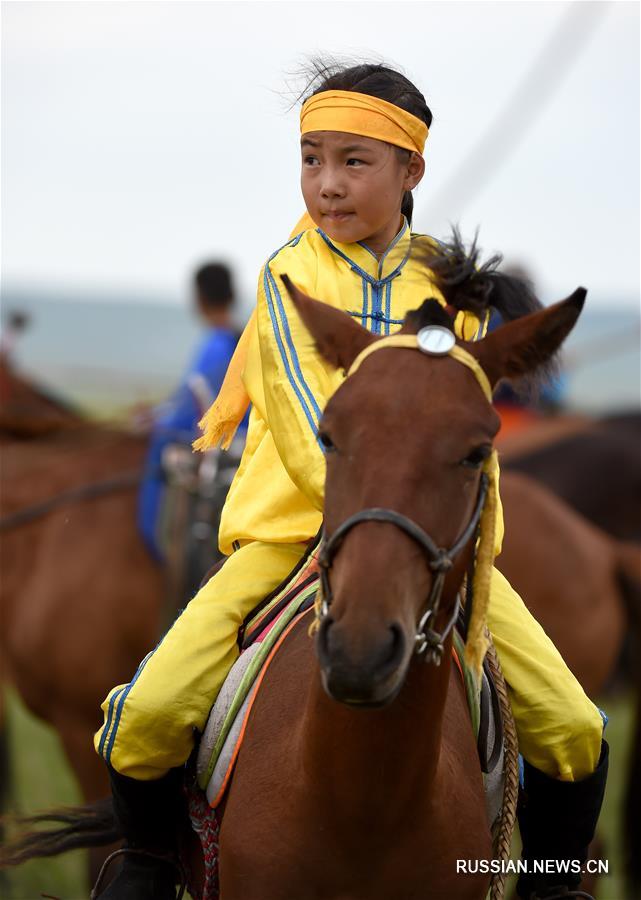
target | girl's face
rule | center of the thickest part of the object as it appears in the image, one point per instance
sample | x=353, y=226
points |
x=353, y=186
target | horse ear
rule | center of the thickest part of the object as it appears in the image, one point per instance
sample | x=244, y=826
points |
x=338, y=337
x=521, y=346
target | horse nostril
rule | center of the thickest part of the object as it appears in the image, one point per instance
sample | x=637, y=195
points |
x=397, y=646
x=376, y=658
x=323, y=639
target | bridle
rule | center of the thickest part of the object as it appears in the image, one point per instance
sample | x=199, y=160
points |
x=428, y=641
x=433, y=341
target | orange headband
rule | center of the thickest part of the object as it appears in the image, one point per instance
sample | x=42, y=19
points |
x=361, y=114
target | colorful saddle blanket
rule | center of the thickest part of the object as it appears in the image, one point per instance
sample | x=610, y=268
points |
x=261, y=637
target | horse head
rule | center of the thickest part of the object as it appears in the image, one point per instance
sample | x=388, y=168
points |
x=407, y=432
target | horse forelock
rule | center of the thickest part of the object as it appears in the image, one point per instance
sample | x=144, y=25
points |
x=429, y=313
x=469, y=284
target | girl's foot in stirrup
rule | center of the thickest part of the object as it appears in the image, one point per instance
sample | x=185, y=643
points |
x=143, y=876
x=149, y=815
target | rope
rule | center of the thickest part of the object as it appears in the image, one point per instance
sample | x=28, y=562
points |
x=205, y=823
x=503, y=841
x=85, y=492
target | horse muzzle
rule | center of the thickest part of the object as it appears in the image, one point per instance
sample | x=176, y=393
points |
x=367, y=672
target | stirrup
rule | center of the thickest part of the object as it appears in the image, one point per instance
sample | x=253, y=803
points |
x=134, y=851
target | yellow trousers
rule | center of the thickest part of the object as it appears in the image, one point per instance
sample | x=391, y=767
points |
x=150, y=723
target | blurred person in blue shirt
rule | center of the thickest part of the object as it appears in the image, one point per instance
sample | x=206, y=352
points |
x=176, y=421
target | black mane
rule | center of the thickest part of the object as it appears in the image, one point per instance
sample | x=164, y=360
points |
x=476, y=287
x=479, y=288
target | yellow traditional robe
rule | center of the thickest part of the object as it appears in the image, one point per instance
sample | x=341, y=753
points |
x=277, y=494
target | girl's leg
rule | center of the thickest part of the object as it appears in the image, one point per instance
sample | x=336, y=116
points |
x=558, y=726
x=149, y=723
x=560, y=736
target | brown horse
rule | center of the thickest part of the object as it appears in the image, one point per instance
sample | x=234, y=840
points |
x=351, y=772
x=359, y=775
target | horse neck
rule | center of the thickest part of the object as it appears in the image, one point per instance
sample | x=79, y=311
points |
x=361, y=762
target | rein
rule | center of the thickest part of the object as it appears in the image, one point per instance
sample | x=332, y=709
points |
x=86, y=492
x=440, y=560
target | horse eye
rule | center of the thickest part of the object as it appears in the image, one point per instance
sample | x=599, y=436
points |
x=477, y=457
x=326, y=442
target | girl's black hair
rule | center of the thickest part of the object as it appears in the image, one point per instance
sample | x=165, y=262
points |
x=376, y=80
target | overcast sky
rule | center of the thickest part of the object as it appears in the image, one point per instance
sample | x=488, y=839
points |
x=140, y=138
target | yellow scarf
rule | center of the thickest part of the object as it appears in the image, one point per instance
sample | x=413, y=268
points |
x=221, y=421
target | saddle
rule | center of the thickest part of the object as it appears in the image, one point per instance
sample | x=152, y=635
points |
x=260, y=636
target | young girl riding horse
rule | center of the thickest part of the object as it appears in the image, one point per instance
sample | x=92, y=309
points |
x=363, y=132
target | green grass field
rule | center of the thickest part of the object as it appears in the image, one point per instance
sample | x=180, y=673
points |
x=41, y=778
